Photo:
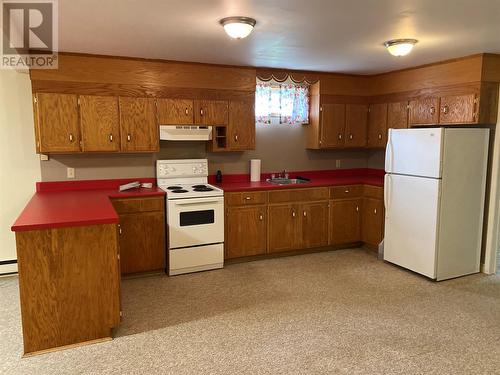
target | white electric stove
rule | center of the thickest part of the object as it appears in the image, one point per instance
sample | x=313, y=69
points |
x=195, y=216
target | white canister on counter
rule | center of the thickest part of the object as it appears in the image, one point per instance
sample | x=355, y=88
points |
x=255, y=170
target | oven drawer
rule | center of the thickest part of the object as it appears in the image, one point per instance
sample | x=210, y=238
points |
x=194, y=259
x=246, y=198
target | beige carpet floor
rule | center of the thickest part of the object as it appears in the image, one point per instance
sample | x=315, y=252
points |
x=340, y=312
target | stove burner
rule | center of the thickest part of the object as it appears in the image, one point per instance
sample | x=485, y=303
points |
x=200, y=186
x=174, y=187
x=179, y=191
x=204, y=188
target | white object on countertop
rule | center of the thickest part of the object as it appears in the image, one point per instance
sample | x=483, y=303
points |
x=147, y=185
x=255, y=170
x=129, y=186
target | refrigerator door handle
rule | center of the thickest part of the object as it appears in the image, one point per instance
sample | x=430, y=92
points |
x=387, y=184
x=389, y=153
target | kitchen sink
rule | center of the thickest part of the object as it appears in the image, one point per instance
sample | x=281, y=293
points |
x=286, y=181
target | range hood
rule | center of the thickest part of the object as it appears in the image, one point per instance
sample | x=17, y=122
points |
x=185, y=133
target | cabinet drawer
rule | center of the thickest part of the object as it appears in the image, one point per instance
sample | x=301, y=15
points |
x=298, y=195
x=246, y=198
x=376, y=192
x=346, y=191
x=128, y=205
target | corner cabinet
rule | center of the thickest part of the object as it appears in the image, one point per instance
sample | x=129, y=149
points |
x=66, y=123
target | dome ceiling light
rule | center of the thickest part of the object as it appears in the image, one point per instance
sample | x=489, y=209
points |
x=238, y=27
x=400, y=47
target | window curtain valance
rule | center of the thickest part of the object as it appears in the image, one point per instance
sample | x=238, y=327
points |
x=283, y=75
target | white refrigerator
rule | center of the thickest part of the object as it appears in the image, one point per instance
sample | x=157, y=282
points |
x=434, y=193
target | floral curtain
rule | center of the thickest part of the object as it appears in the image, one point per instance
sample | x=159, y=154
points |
x=287, y=102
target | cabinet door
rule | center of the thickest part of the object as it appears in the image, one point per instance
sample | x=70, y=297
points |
x=139, y=128
x=142, y=242
x=377, y=125
x=241, y=125
x=314, y=224
x=424, y=111
x=100, y=123
x=355, y=125
x=372, y=221
x=175, y=111
x=458, y=109
x=57, y=124
x=397, y=115
x=284, y=224
x=345, y=221
x=246, y=231
x=211, y=112
x=332, y=125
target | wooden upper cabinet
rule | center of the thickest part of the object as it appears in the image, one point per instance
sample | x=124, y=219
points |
x=284, y=224
x=139, y=127
x=175, y=111
x=424, y=111
x=377, y=125
x=314, y=223
x=355, y=125
x=458, y=109
x=332, y=125
x=246, y=231
x=241, y=125
x=397, y=115
x=211, y=112
x=100, y=123
x=56, y=123
x=345, y=221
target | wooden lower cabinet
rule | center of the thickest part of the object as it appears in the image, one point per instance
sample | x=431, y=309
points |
x=142, y=234
x=246, y=231
x=283, y=227
x=372, y=221
x=314, y=225
x=69, y=285
x=345, y=221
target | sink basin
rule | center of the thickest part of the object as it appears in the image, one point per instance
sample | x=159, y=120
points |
x=286, y=181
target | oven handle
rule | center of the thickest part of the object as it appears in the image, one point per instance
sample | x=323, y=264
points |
x=191, y=202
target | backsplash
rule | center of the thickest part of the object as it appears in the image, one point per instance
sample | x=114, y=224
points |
x=280, y=146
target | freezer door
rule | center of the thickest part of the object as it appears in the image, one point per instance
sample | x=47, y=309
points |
x=414, y=152
x=411, y=221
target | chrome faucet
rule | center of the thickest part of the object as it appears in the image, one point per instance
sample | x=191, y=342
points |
x=284, y=174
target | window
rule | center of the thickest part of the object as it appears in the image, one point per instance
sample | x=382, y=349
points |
x=286, y=101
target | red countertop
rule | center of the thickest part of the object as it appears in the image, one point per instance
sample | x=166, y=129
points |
x=241, y=182
x=76, y=203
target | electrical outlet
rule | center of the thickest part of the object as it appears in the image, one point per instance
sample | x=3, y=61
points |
x=70, y=172
x=44, y=157
x=337, y=163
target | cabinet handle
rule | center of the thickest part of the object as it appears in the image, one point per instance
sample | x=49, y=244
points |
x=432, y=110
x=71, y=138
x=350, y=136
x=346, y=191
x=445, y=109
x=357, y=208
x=248, y=198
x=340, y=136
x=201, y=111
x=236, y=138
x=111, y=137
x=261, y=217
x=186, y=112
x=293, y=213
x=119, y=229
x=129, y=137
x=375, y=211
x=380, y=136
x=304, y=213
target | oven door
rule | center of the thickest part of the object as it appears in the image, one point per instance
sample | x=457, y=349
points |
x=195, y=221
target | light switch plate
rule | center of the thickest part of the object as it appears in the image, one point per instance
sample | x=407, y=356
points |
x=70, y=172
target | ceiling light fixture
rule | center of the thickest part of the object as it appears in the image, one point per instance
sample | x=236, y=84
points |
x=400, y=47
x=238, y=27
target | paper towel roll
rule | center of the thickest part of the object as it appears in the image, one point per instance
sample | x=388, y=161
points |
x=255, y=170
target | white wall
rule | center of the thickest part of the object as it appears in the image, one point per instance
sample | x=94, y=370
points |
x=19, y=165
